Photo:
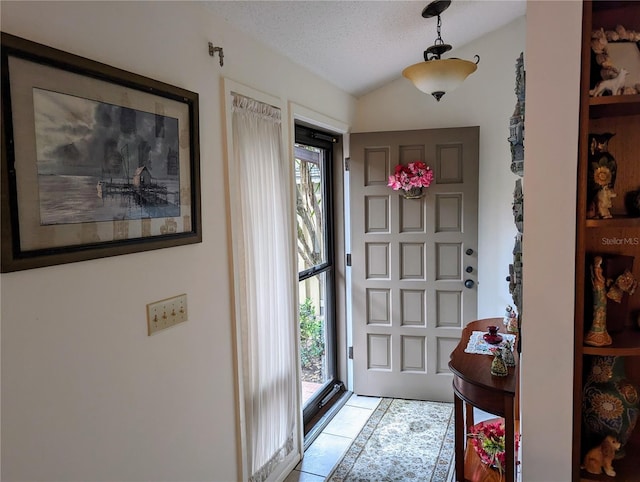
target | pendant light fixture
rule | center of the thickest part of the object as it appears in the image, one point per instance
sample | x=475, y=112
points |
x=437, y=76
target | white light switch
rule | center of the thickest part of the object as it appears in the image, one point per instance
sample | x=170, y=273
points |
x=165, y=313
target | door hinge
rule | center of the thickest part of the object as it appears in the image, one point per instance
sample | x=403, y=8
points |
x=350, y=352
x=347, y=163
x=349, y=259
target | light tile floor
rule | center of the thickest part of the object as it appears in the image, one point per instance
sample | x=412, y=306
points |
x=328, y=448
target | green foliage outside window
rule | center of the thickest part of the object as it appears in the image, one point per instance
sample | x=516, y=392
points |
x=311, y=335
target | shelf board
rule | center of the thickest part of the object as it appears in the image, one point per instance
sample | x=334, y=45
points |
x=626, y=343
x=614, y=105
x=615, y=222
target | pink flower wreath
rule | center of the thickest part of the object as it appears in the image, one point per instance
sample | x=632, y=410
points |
x=413, y=175
x=488, y=439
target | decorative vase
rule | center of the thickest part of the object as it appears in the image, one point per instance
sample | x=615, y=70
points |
x=413, y=193
x=602, y=169
x=609, y=403
x=493, y=337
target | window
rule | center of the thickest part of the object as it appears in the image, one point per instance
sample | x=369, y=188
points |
x=313, y=170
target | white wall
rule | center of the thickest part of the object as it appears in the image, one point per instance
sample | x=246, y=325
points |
x=486, y=99
x=553, y=80
x=86, y=395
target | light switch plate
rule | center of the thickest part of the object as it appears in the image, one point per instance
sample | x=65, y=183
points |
x=165, y=313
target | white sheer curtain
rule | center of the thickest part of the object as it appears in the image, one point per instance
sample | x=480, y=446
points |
x=265, y=270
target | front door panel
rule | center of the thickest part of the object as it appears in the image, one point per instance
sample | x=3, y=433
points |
x=410, y=259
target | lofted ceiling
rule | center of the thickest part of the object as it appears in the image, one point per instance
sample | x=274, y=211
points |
x=362, y=45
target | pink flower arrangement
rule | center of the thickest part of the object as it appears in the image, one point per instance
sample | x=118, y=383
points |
x=414, y=175
x=488, y=439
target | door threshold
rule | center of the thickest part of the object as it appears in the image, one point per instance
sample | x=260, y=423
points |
x=331, y=411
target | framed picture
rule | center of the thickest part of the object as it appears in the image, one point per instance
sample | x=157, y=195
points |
x=96, y=161
x=626, y=55
x=615, y=54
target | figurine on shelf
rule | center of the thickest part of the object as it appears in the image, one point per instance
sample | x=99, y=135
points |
x=600, y=457
x=498, y=366
x=598, y=335
x=507, y=354
x=603, y=202
x=510, y=319
x=615, y=85
x=509, y=312
x=625, y=283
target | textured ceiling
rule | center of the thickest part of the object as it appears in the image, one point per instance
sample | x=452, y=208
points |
x=360, y=46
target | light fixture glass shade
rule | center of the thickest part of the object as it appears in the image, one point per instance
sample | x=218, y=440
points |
x=436, y=77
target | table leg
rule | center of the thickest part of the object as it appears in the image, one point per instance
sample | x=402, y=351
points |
x=468, y=410
x=459, y=437
x=509, y=434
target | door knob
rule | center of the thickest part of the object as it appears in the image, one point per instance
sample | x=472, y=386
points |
x=469, y=269
x=469, y=283
x=469, y=251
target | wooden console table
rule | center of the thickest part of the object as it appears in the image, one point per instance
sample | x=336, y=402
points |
x=474, y=384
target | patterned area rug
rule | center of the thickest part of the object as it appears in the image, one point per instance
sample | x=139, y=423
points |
x=402, y=440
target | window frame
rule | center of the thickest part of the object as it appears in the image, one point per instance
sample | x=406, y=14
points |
x=313, y=137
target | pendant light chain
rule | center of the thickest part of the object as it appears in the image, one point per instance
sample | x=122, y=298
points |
x=439, y=40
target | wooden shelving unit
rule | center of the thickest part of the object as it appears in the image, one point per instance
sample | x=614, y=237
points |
x=624, y=344
x=620, y=235
x=617, y=222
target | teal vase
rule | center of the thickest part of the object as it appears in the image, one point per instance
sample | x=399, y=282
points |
x=609, y=403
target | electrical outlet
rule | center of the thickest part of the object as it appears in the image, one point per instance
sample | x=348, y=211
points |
x=165, y=313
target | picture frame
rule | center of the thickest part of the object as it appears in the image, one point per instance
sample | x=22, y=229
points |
x=611, y=52
x=626, y=55
x=96, y=161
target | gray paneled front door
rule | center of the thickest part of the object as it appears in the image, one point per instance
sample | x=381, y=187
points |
x=411, y=261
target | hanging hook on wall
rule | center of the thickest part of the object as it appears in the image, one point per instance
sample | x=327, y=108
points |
x=213, y=50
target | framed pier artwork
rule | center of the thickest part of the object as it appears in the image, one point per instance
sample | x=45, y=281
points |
x=96, y=161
